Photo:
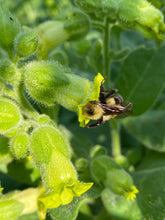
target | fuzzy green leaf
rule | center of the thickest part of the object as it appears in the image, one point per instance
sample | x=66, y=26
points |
x=142, y=78
x=148, y=129
x=150, y=178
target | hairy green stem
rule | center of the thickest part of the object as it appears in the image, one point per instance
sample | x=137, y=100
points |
x=106, y=60
x=115, y=138
x=115, y=126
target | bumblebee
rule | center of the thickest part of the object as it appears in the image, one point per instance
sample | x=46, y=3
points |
x=110, y=105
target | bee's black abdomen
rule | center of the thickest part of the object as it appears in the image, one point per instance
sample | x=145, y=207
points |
x=118, y=99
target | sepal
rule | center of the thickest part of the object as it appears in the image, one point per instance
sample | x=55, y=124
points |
x=19, y=145
x=26, y=43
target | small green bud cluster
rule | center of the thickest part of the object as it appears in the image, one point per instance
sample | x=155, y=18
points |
x=137, y=14
x=105, y=170
x=13, y=38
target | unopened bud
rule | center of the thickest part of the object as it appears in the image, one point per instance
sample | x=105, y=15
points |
x=26, y=43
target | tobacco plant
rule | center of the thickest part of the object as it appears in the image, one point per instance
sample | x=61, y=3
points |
x=55, y=56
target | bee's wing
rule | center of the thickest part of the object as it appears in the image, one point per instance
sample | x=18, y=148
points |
x=112, y=109
x=120, y=111
x=128, y=106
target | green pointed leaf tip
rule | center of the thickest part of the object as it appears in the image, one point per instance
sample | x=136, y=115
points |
x=139, y=69
x=9, y=115
x=76, y=23
x=106, y=170
x=10, y=209
x=9, y=26
x=50, y=82
x=19, y=145
x=26, y=43
x=44, y=141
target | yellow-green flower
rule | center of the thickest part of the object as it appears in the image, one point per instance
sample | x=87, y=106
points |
x=64, y=194
x=94, y=96
x=132, y=193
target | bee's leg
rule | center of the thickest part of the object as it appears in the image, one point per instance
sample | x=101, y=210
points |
x=97, y=123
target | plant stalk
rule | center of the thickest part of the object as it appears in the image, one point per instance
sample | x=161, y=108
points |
x=115, y=126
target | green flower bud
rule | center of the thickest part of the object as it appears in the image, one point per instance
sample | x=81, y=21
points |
x=9, y=27
x=69, y=25
x=10, y=209
x=121, y=183
x=19, y=145
x=49, y=82
x=106, y=170
x=26, y=43
x=43, y=78
x=110, y=7
x=97, y=150
x=142, y=16
x=10, y=115
x=51, y=35
x=76, y=23
x=81, y=164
